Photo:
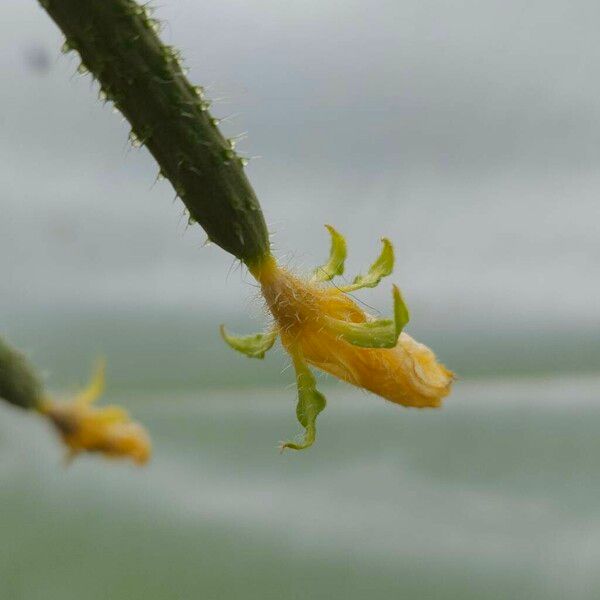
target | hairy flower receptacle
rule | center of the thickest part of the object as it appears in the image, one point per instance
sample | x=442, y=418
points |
x=321, y=326
x=406, y=374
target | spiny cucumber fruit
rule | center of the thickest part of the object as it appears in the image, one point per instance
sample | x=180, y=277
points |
x=118, y=43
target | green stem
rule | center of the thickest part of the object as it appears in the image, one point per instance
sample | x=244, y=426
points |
x=19, y=384
x=118, y=44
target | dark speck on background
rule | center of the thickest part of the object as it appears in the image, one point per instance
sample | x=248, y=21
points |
x=37, y=59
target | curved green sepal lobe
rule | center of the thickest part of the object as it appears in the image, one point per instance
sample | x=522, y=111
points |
x=310, y=403
x=337, y=257
x=381, y=333
x=253, y=346
x=401, y=314
x=382, y=267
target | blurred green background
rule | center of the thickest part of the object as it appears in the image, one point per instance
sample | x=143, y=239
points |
x=466, y=132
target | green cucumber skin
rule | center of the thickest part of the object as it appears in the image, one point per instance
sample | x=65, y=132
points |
x=19, y=384
x=118, y=44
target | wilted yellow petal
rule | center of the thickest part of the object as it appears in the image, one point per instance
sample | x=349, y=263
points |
x=407, y=373
x=107, y=430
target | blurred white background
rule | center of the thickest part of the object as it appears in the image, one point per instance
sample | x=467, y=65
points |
x=468, y=132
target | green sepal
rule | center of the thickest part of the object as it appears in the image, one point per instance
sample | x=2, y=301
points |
x=382, y=267
x=253, y=346
x=401, y=314
x=337, y=257
x=310, y=403
x=381, y=333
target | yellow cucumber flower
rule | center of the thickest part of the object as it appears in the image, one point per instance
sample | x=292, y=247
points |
x=108, y=430
x=322, y=326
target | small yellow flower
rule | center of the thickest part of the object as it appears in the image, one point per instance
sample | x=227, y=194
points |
x=107, y=430
x=322, y=326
